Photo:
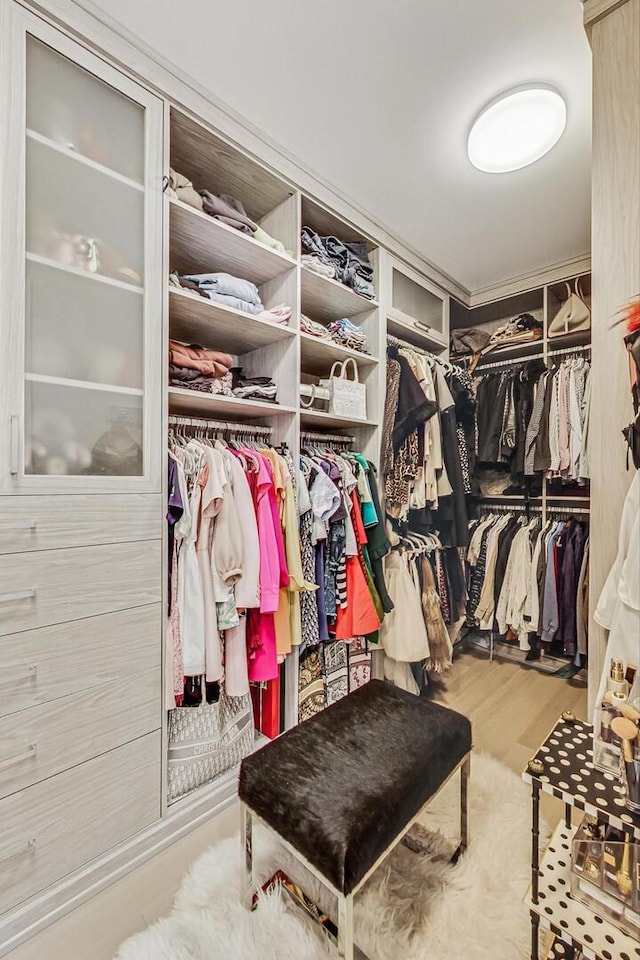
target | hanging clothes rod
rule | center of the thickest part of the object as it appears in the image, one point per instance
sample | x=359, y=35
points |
x=479, y=370
x=510, y=508
x=327, y=437
x=568, y=512
x=405, y=345
x=223, y=426
x=567, y=350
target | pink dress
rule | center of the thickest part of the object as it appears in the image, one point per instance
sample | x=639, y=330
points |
x=261, y=634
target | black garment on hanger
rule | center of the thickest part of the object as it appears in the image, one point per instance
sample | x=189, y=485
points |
x=378, y=543
x=413, y=406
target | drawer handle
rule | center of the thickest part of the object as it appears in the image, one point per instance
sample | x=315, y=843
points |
x=28, y=754
x=422, y=326
x=17, y=525
x=31, y=674
x=14, y=444
x=17, y=595
x=27, y=848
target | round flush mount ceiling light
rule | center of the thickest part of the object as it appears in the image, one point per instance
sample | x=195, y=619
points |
x=517, y=128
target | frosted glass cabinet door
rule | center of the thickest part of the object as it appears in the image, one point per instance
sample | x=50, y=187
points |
x=80, y=357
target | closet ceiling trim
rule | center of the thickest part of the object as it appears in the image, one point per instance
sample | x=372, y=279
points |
x=532, y=281
x=134, y=58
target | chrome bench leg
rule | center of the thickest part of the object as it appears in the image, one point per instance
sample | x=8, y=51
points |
x=247, y=842
x=345, y=928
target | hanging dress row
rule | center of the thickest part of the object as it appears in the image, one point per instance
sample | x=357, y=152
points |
x=235, y=568
x=533, y=421
x=530, y=582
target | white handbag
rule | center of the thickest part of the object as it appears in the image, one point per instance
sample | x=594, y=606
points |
x=573, y=316
x=347, y=398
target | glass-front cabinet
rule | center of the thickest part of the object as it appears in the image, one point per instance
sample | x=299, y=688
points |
x=81, y=293
x=416, y=309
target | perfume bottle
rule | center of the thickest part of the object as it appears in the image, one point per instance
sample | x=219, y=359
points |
x=616, y=681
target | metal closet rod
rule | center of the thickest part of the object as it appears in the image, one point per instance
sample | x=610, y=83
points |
x=396, y=342
x=326, y=437
x=480, y=369
x=222, y=425
x=556, y=353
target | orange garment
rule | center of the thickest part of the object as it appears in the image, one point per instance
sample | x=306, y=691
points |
x=359, y=617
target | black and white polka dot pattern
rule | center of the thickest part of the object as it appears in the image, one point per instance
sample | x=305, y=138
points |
x=571, y=921
x=570, y=775
x=563, y=951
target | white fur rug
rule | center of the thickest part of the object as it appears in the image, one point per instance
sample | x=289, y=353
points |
x=416, y=906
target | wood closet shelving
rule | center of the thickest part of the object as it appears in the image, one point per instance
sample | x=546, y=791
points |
x=199, y=244
x=544, y=303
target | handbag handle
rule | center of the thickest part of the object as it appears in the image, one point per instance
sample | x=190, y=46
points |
x=578, y=289
x=354, y=367
x=338, y=364
x=303, y=403
x=569, y=291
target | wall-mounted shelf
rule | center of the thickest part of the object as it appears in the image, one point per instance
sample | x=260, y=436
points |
x=326, y=300
x=317, y=355
x=194, y=319
x=316, y=418
x=204, y=404
x=201, y=244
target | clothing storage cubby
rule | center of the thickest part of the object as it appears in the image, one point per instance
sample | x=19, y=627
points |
x=520, y=350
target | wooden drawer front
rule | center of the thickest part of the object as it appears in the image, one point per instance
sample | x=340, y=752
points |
x=51, y=829
x=44, y=741
x=54, y=586
x=38, y=666
x=47, y=523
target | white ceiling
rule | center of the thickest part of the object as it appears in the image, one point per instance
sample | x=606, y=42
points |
x=378, y=98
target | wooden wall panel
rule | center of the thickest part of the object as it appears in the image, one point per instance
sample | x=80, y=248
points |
x=615, y=41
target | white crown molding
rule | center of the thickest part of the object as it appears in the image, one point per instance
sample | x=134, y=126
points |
x=538, y=278
x=84, y=21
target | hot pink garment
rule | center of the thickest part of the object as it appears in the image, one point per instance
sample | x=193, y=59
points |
x=277, y=526
x=261, y=646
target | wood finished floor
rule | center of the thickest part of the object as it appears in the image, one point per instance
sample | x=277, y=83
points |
x=512, y=709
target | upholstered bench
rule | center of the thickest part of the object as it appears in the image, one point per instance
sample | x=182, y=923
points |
x=342, y=789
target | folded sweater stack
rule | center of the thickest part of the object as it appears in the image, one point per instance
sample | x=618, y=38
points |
x=196, y=368
x=229, y=291
x=222, y=207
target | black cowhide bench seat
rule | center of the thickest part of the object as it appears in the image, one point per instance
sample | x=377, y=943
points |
x=341, y=789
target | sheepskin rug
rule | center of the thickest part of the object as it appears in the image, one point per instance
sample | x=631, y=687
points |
x=417, y=906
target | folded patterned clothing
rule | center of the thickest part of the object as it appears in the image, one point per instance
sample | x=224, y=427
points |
x=253, y=388
x=350, y=260
x=227, y=210
x=212, y=363
x=324, y=268
x=349, y=334
x=225, y=284
x=192, y=380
